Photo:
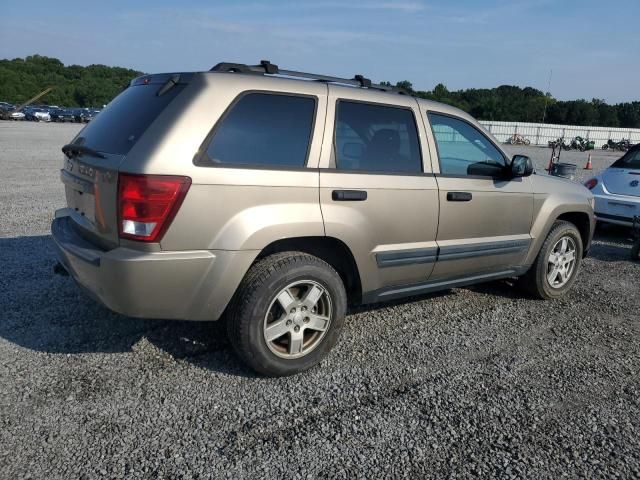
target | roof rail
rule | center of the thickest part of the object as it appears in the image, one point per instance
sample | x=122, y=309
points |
x=266, y=67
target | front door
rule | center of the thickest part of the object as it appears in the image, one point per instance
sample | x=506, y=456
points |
x=485, y=217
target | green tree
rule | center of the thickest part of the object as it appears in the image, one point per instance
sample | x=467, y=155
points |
x=74, y=85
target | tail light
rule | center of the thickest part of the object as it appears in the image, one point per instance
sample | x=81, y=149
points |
x=591, y=183
x=148, y=203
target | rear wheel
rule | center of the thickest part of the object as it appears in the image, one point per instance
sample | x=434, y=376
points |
x=556, y=267
x=287, y=314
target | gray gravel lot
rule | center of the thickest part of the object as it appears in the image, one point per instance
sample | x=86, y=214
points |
x=476, y=381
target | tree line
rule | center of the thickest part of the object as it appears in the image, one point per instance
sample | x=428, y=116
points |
x=96, y=85
x=74, y=85
x=509, y=103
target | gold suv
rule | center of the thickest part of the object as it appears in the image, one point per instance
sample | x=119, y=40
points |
x=273, y=198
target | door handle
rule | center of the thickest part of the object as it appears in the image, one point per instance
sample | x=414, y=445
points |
x=349, y=195
x=459, y=196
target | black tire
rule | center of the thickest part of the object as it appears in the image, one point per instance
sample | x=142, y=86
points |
x=635, y=251
x=251, y=303
x=535, y=281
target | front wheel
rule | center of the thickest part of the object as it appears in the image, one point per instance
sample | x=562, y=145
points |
x=287, y=314
x=557, y=264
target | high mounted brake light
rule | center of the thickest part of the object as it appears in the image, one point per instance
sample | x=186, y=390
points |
x=148, y=203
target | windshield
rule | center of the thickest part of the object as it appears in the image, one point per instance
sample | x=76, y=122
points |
x=121, y=124
x=630, y=160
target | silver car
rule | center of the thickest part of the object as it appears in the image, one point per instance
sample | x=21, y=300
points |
x=617, y=190
x=272, y=199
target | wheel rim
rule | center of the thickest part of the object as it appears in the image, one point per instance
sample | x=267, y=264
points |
x=297, y=320
x=561, y=262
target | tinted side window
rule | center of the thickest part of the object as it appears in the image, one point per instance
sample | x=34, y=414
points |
x=264, y=129
x=463, y=149
x=376, y=138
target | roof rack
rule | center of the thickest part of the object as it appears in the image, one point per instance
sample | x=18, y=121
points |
x=266, y=67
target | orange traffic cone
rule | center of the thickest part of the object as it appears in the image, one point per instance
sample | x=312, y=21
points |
x=589, y=165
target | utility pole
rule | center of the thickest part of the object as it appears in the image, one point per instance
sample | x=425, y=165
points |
x=546, y=95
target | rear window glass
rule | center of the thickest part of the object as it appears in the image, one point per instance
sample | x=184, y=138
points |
x=630, y=160
x=264, y=129
x=376, y=138
x=121, y=124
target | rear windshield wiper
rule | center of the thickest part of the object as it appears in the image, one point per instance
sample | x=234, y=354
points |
x=73, y=150
x=169, y=84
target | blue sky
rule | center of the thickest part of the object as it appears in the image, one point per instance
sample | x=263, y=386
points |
x=593, y=50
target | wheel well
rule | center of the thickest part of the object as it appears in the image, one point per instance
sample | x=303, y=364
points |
x=581, y=221
x=329, y=249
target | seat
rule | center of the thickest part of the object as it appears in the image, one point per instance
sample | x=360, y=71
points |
x=382, y=150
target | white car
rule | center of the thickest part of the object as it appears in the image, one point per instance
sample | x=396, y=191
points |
x=17, y=116
x=38, y=115
x=617, y=190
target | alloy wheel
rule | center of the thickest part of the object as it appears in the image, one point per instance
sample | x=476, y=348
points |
x=297, y=320
x=561, y=262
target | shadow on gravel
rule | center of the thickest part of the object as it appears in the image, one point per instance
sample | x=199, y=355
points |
x=48, y=313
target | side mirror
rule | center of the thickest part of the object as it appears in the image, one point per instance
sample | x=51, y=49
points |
x=521, y=166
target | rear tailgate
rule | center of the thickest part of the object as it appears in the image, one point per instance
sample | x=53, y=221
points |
x=94, y=157
x=621, y=181
x=91, y=188
x=623, y=177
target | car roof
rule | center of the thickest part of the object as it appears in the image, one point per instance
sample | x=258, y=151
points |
x=270, y=74
x=390, y=96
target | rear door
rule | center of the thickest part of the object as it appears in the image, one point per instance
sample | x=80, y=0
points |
x=377, y=192
x=91, y=179
x=485, y=218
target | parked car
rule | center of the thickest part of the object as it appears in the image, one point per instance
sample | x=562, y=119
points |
x=275, y=202
x=91, y=114
x=17, y=116
x=10, y=113
x=62, y=115
x=37, y=114
x=617, y=190
x=82, y=115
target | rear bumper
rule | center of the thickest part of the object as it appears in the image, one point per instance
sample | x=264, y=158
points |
x=616, y=209
x=184, y=285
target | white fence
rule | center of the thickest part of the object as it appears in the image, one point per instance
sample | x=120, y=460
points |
x=541, y=133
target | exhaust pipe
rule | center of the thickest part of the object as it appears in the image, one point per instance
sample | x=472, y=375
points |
x=59, y=269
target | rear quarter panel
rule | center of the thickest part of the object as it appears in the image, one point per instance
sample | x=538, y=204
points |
x=230, y=208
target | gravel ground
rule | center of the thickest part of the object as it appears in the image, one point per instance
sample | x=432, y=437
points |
x=476, y=381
